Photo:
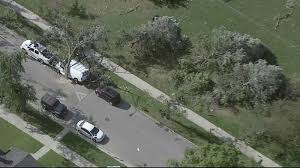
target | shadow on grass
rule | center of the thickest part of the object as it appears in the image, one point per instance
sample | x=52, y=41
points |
x=41, y=122
x=196, y=133
x=171, y=3
x=87, y=150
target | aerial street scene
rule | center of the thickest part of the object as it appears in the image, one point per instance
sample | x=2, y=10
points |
x=149, y=83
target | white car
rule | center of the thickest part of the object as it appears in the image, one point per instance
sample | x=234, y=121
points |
x=37, y=51
x=90, y=131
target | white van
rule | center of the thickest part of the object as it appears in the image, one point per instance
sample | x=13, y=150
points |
x=78, y=72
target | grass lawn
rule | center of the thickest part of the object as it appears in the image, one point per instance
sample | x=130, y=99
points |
x=12, y=136
x=42, y=122
x=52, y=159
x=254, y=17
x=88, y=151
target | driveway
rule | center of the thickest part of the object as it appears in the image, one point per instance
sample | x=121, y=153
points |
x=132, y=136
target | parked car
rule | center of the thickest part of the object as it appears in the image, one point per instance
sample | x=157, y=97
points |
x=90, y=131
x=78, y=72
x=53, y=105
x=108, y=94
x=37, y=51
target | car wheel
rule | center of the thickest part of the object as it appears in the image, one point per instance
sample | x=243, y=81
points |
x=75, y=81
x=24, y=51
x=41, y=61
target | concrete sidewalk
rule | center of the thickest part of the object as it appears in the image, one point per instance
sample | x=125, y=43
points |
x=49, y=143
x=155, y=93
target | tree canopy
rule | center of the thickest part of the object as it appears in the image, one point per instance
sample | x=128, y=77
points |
x=235, y=68
x=158, y=42
x=13, y=94
x=209, y=155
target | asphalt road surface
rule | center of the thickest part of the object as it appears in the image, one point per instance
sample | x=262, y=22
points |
x=132, y=136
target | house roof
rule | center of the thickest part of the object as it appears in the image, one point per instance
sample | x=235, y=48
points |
x=18, y=158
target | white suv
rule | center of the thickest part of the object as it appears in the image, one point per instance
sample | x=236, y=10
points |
x=37, y=51
x=90, y=131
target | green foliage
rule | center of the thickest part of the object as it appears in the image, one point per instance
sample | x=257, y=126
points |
x=251, y=84
x=77, y=10
x=221, y=50
x=209, y=155
x=236, y=68
x=158, y=42
x=171, y=3
x=13, y=93
x=13, y=21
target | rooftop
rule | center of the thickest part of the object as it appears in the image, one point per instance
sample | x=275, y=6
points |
x=16, y=158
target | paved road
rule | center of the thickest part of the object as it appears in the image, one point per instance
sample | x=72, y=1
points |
x=157, y=94
x=132, y=136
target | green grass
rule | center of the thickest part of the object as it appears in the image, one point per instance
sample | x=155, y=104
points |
x=88, y=151
x=42, y=122
x=52, y=159
x=19, y=24
x=254, y=17
x=12, y=136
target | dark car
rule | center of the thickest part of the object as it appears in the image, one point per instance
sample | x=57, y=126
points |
x=108, y=94
x=53, y=105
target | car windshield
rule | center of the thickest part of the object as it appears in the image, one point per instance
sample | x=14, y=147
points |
x=95, y=131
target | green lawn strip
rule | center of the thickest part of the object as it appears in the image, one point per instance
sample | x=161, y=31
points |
x=88, y=151
x=12, y=136
x=42, y=122
x=52, y=159
x=19, y=24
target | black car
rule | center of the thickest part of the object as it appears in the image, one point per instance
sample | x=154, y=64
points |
x=53, y=105
x=108, y=94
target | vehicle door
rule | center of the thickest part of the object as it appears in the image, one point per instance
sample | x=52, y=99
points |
x=36, y=54
x=86, y=133
x=61, y=68
x=31, y=52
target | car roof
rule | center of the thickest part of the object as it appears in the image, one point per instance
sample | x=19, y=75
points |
x=39, y=46
x=88, y=126
x=78, y=66
x=49, y=99
x=110, y=91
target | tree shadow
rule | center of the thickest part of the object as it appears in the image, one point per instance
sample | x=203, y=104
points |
x=173, y=4
x=123, y=105
x=204, y=135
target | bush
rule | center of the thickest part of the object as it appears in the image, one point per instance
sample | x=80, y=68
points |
x=209, y=155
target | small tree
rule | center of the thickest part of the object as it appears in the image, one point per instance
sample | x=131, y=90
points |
x=209, y=155
x=158, y=42
x=13, y=94
x=76, y=42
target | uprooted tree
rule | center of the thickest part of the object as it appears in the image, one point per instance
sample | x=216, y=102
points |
x=158, y=42
x=13, y=94
x=233, y=68
x=76, y=42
